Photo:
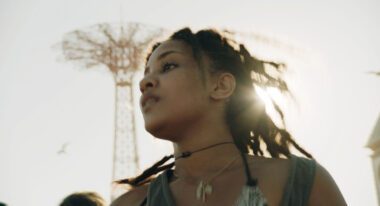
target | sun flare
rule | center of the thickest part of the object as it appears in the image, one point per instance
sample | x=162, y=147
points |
x=269, y=96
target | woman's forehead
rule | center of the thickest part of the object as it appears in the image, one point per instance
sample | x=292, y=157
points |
x=173, y=43
x=171, y=46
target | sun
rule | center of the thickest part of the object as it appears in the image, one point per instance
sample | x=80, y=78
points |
x=269, y=96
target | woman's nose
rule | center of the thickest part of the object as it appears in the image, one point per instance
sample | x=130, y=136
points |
x=147, y=82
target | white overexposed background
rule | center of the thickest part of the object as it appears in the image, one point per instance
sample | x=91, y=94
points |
x=44, y=104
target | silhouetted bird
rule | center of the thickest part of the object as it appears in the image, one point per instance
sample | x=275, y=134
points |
x=63, y=149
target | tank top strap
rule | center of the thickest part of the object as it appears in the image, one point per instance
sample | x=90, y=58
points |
x=159, y=191
x=300, y=181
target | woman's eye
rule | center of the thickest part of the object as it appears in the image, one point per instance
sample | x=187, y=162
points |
x=168, y=66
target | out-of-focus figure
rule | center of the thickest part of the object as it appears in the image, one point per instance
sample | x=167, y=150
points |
x=83, y=199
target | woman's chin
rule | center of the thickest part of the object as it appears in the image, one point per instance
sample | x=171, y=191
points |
x=159, y=131
x=153, y=128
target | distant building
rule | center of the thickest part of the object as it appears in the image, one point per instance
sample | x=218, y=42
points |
x=374, y=145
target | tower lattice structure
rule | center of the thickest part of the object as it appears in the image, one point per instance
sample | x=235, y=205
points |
x=119, y=47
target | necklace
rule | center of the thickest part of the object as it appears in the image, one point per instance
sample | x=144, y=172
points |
x=188, y=153
x=205, y=188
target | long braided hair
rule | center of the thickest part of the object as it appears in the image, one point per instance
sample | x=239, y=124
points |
x=250, y=125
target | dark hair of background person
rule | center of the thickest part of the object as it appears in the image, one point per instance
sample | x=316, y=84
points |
x=251, y=127
x=83, y=199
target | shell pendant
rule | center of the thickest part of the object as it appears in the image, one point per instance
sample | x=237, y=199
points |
x=203, y=190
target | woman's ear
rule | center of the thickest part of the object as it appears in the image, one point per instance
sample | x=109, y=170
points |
x=223, y=86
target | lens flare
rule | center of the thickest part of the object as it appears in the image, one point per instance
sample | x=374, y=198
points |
x=271, y=96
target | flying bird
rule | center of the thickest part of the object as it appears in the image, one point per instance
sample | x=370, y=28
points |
x=375, y=73
x=63, y=148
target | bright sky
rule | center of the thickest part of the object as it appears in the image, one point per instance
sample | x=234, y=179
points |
x=45, y=103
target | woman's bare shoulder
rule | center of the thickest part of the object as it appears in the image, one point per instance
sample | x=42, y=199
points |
x=325, y=191
x=270, y=170
x=278, y=164
x=133, y=197
x=272, y=175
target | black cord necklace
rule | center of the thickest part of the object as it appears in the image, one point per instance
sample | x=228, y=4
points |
x=189, y=153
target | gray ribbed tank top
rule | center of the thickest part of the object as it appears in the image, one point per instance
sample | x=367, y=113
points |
x=296, y=192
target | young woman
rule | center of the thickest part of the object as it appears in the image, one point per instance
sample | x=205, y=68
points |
x=198, y=92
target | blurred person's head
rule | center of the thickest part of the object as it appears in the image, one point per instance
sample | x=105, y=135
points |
x=83, y=199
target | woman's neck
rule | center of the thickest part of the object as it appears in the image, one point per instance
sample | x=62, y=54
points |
x=207, y=157
x=204, y=133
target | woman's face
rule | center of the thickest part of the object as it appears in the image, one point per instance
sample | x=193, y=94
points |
x=174, y=94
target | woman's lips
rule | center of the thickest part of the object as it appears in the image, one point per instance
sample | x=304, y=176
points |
x=150, y=102
x=147, y=100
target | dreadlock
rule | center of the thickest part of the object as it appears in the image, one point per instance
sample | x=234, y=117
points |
x=249, y=124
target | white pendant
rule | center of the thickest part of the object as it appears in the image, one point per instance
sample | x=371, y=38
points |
x=203, y=190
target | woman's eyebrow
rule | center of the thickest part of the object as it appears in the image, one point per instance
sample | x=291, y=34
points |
x=161, y=56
